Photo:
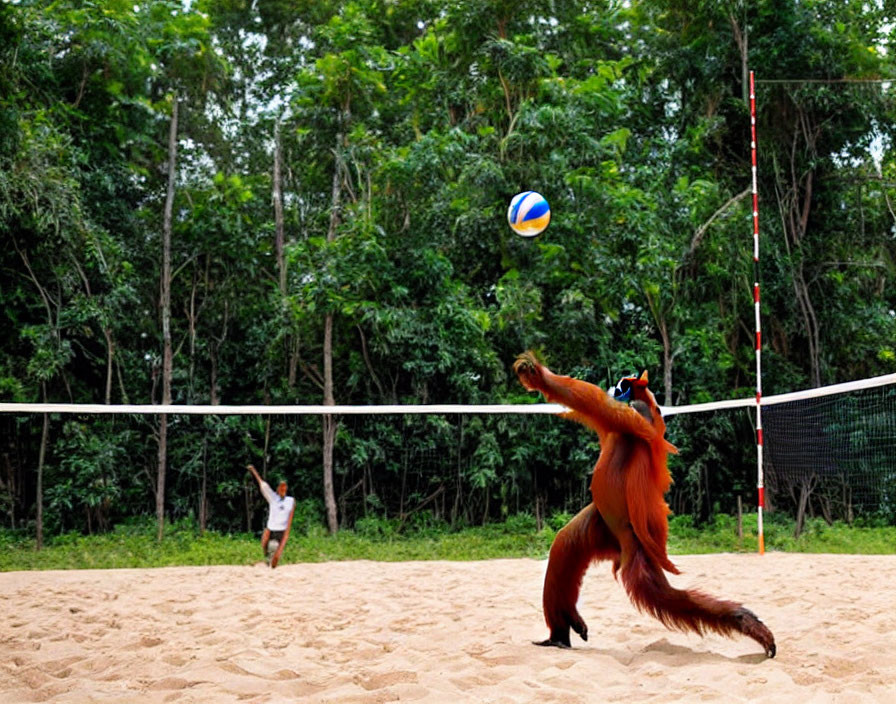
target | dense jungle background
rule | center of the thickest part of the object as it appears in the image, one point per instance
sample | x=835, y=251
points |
x=304, y=202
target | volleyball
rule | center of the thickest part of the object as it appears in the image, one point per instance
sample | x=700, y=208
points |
x=529, y=214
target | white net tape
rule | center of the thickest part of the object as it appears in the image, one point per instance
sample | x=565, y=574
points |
x=528, y=409
x=520, y=408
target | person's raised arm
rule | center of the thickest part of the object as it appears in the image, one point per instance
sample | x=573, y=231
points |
x=255, y=474
x=265, y=488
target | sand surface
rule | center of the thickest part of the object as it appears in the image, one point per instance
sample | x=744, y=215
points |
x=451, y=632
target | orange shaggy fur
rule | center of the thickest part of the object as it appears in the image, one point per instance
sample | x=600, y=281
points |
x=627, y=519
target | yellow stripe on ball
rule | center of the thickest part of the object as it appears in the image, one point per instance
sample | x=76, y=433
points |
x=529, y=214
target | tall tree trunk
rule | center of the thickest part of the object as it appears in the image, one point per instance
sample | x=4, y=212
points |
x=667, y=363
x=203, y=492
x=192, y=319
x=662, y=323
x=165, y=304
x=213, y=400
x=110, y=359
x=278, y=212
x=329, y=427
x=267, y=445
x=12, y=474
x=53, y=324
x=329, y=421
x=104, y=326
x=455, y=509
x=247, y=504
x=216, y=343
x=795, y=205
x=292, y=342
x=44, y=436
x=292, y=372
x=741, y=39
x=810, y=321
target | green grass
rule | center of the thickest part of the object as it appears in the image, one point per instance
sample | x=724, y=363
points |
x=134, y=545
x=863, y=537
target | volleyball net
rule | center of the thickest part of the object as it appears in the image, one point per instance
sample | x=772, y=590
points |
x=829, y=452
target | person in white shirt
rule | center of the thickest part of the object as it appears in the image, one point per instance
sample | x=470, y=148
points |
x=280, y=510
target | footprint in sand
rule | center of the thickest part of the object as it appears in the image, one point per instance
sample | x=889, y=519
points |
x=176, y=660
x=144, y=642
x=386, y=679
x=172, y=683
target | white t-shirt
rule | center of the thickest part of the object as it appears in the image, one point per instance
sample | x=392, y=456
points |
x=280, y=509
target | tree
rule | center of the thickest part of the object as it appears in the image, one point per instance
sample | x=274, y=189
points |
x=333, y=210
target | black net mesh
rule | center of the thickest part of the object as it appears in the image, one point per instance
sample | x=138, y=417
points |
x=834, y=455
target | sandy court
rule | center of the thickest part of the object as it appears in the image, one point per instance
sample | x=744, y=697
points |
x=439, y=632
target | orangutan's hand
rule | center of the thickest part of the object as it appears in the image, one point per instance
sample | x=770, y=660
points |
x=528, y=370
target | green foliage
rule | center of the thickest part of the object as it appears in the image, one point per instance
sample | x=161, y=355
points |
x=558, y=520
x=426, y=117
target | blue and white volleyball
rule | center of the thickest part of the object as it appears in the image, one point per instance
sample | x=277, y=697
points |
x=529, y=214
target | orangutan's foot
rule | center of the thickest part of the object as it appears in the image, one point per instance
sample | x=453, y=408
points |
x=749, y=624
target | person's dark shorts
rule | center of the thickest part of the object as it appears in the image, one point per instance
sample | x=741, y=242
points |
x=277, y=535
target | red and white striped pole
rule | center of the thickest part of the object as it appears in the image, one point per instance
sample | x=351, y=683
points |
x=759, y=478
